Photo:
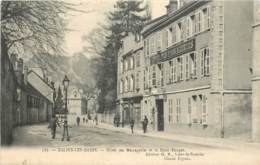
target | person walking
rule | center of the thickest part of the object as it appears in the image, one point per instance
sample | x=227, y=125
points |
x=65, y=131
x=145, y=123
x=83, y=120
x=78, y=120
x=53, y=125
x=96, y=119
x=132, y=123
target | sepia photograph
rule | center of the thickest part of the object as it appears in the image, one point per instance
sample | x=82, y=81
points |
x=115, y=82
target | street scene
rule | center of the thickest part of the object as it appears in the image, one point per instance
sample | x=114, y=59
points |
x=154, y=81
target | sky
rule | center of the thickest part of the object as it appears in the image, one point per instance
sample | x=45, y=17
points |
x=81, y=24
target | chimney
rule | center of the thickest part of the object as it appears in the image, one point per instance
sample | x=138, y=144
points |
x=172, y=6
x=25, y=74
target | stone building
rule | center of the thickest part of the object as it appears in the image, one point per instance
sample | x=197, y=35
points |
x=130, y=79
x=77, y=104
x=196, y=71
x=22, y=100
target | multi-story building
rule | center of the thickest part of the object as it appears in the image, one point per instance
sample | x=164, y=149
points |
x=196, y=70
x=130, y=79
x=198, y=75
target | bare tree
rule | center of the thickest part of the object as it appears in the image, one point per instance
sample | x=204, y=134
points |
x=33, y=27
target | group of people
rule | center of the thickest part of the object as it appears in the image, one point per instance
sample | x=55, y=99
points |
x=85, y=120
x=144, y=124
x=54, y=122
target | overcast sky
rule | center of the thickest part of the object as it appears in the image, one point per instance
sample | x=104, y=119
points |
x=82, y=23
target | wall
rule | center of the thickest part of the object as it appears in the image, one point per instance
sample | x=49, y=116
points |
x=238, y=19
x=195, y=129
x=237, y=115
x=8, y=97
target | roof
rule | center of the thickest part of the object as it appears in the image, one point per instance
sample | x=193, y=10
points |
x=31, y=90
x=32, y=71
x=167, y=19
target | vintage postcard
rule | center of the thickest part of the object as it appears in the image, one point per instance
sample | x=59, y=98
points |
x=104, y=82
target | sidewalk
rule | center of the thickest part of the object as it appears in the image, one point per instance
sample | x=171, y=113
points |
x=213, y=142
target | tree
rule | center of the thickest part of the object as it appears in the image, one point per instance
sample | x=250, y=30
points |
x=59, y=104
x=33, y=27
x=128, y=17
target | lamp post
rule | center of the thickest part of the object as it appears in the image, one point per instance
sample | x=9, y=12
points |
x=66, y=82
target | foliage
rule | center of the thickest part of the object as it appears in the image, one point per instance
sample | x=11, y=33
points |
x=59, y=104
x=128, y=17
x=33, y=27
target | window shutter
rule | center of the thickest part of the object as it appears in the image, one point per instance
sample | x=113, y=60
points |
x=174, y=71
x=207, y=62
x=202, y=62
x=195, y=65
x=187, y=66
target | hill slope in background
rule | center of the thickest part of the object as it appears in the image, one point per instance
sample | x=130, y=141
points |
x=79, y=69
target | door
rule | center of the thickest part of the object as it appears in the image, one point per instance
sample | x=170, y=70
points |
x=160, y=115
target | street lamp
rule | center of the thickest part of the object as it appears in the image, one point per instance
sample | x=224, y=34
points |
x=66, y=83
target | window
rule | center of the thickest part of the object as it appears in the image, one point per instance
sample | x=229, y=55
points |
x=193, y=65
x=170, y=72
x=198, y=22
x=154, y=76
x=170, y=110
x=205, y=63
x=174, y=34
x=179, y=32
x=180, y=69
x=131, y=83
x=137, y=80
x=204, y=110
x=174, y=70
x=126, y=84
x=190, y=25
x=194, y=112
x=178, y=110
x=165, y=40
x=187, y=66
x=206, y=18
x=182, y=29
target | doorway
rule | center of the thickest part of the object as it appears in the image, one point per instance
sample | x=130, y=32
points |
x=160, y=114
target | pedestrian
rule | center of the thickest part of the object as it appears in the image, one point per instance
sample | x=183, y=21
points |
x=53, y=125
x=96, y=119
x=145, y=123
x=132, y=123
x=78, y=120
x=86, y=120
x=83, y=119
x=65, y=131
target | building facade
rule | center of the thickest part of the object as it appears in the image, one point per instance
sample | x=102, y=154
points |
x=130, y=79
x=196, y=71
x=22, y=102
x=77, y=105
